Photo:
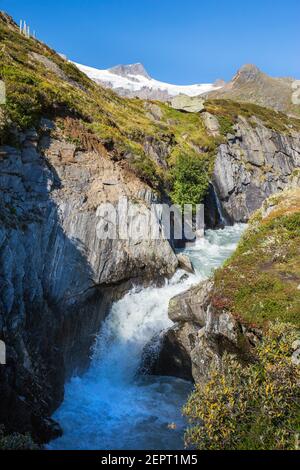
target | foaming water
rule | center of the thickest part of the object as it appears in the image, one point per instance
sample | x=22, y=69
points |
x=113, y=407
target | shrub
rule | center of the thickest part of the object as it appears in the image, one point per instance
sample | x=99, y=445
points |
x=249, y=407
x=191, y=179
x=145, y=169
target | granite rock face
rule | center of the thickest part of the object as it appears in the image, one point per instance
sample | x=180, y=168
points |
x=255, y=163
x=57, y=277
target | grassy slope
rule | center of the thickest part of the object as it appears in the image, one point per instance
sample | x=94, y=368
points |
x=121, y=125
x=261, y=281
x=256, y=407
x=89, y=113
x=228, y=111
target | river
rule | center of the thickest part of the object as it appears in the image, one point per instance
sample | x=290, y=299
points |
x=112, y=406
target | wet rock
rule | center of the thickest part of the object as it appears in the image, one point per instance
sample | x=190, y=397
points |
x=197, y=342
x=185, y=263
x=191, y=306
x=173, y=358
x=213, y=216
x=46, y=429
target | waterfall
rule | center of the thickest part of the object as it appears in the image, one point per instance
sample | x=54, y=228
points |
x=113, y=407
x=222, y=217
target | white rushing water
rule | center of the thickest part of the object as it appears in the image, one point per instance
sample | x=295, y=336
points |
x=113, y=407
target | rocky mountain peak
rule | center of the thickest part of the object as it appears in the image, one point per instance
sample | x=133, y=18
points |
x=247, y=72
x=131, y=69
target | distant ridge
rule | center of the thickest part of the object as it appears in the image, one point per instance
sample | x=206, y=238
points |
x=134, y=81
x=252, y=85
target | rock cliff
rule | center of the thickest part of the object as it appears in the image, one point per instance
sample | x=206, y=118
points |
x=253, y=164
x=57, y=277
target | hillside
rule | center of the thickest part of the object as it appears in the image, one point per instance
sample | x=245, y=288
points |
x=39, y=83
x=261, y=282
x=251, y=85
x=146, y=138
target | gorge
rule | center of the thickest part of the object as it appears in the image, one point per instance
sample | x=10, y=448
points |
x=69, y=145
x=113, y=405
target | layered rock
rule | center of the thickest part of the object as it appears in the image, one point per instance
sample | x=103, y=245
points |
x=255, y=163
x=58, y=277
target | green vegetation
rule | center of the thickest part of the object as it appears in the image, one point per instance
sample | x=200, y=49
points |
x=191, y=179
x=255, y=405
x=146, y=170
x=40, y=83
x=228, y=111
x=261, y=280
x=249, y=408
x=226, y=125
x=189, y=131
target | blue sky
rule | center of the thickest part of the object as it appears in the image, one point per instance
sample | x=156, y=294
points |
x=179, y=41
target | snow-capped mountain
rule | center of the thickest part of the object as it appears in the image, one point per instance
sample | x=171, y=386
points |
x=133, y=81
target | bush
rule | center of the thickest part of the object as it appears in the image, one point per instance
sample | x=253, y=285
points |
x=191, y=179
x=226, y=125
x=249, y=407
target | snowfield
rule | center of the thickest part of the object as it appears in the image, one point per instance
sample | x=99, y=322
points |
x=135, y=82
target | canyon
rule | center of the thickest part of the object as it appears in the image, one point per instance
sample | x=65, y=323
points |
x=62, y=155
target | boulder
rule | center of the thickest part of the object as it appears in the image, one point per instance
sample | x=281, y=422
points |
x=211, y=123
x=189, y=104
x=173, y=358
x=185, y=263
x=191, y=306
x=199, y=338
